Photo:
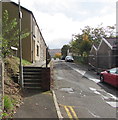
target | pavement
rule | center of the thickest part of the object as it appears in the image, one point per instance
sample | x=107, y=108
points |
x=39, y=64
x=37, y=103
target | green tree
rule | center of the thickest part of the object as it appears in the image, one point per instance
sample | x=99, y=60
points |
x=85, y=47
x=81, y=43
x=64, y=50
x=75, y=44
x=10, y=34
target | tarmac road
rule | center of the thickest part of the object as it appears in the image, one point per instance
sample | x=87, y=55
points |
x=81, y=95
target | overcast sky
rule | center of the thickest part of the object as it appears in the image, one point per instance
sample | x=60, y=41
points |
x=59, y=19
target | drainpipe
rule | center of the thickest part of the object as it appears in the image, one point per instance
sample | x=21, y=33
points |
x=46, y=57
x=20, y=47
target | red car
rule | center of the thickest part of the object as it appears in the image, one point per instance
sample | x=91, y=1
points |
x=110, y=76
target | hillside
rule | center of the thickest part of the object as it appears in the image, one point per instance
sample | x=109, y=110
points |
x=54, y=51
x=13, y=96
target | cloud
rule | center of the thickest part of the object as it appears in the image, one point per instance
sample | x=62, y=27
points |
x=59, y=19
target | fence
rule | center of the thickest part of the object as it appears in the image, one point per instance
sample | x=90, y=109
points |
x=102, y=62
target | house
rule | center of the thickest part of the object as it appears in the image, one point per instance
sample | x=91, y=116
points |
x=33, y=46
x=105, y=55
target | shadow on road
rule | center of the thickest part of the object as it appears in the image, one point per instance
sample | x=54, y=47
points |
x=31, y=92
x=109, y=88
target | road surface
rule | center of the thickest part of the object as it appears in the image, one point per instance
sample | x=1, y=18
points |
x=81, y=95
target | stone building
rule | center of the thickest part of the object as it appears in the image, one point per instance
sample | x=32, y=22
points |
x=105, y=55
x=33, y=46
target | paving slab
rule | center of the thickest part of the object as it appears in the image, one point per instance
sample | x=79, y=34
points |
x=37, y=104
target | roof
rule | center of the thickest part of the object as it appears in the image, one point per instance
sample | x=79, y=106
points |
x=111, y=42
x=93, y=47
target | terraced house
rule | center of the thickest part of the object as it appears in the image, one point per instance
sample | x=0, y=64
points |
x=33, y=46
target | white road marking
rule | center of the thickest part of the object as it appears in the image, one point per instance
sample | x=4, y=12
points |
x=96, y=116
x=113, y=104
x=60, y=78
x=83, y=72
x=114, y=97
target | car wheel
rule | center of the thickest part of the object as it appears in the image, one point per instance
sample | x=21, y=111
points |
x=101, y=78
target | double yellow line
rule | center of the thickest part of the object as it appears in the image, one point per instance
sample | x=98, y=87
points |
x=71, y=113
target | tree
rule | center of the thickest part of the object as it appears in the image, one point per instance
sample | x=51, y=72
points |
x=10, y=34
x=57, y=55
x=81, y=43
x=85, y=47
x=64, y=50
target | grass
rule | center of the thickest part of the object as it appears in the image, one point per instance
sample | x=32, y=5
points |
x=24, y=62
x=12, y=64
x=8, y=105
x=13, y=95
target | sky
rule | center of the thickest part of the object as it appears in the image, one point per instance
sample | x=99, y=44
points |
x=58, y=20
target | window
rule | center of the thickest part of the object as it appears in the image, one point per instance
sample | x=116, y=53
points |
x=37, y=50
x=113, y=71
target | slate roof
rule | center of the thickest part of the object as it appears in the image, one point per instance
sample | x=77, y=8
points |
x=111, y=41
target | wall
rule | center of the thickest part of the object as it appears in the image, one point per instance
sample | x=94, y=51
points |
x=25, y=25
x=117, y=17
x=104, y=56
x=29, y=24
x=93, y=58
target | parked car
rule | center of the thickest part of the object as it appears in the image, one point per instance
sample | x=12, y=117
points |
x=63, y=58
x=69, y=59
x=110, y=76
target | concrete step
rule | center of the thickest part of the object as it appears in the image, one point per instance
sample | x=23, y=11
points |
x=31, y=70
x=33, y=88
x=31, y=67
x=32, y=84
x=32, y=80
x=31, y=73
x=32, y=76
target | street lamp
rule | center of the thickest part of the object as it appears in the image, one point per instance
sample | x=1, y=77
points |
x=20, y=47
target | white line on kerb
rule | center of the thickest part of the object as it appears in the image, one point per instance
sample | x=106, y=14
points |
x=56, y=105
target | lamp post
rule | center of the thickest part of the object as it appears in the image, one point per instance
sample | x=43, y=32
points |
x=20, y=47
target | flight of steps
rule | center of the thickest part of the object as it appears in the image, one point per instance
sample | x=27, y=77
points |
x=32, y=77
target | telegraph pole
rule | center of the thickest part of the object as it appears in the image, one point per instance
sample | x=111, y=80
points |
x=1, y=65
x=20, y=47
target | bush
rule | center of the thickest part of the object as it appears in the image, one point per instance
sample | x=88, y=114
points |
x=8, y=105
x=81, y=59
